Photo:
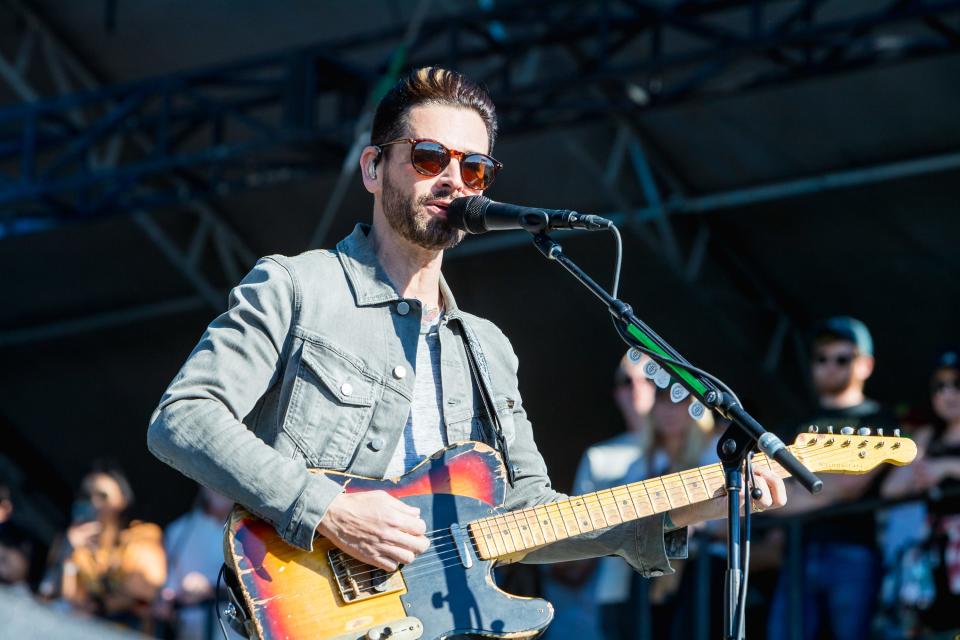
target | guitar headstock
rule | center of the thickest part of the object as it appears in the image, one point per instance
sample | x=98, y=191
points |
x=852, y=452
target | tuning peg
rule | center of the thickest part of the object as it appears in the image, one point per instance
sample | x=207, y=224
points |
x=863, y=431
x=830, y=429
x=847, y=431
x=896, y=433
x=880, y=431
x=813, y=429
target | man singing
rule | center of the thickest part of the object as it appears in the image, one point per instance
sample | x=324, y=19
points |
x=358, y=359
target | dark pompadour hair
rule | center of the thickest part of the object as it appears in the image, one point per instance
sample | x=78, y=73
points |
x=430, y=85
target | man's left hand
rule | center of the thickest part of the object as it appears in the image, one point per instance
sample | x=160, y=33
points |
x=774, y=495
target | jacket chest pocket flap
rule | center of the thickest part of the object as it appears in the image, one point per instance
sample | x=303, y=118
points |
x=330, y=406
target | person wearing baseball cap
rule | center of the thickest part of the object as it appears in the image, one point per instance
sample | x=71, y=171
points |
x=937, y=473
x=841, y=561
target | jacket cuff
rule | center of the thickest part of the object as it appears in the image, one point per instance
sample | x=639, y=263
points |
x=309, y=509
x=656, y=547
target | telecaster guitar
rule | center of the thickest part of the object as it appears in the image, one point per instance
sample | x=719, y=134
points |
x=288, y=593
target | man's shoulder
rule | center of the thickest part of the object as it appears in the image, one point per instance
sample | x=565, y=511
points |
x=483, y=325
x=306, y=261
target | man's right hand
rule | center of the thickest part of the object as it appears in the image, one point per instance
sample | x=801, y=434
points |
x=376, y=528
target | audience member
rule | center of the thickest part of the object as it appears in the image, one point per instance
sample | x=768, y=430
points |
x=16, y=557
x=590, y=592
x=841, y=565
x=602, y=598
x=194, y=545
x=937, y=472
x=111, y=567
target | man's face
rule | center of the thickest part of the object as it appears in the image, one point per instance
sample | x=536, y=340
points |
x=837, y=366
x=414, y=204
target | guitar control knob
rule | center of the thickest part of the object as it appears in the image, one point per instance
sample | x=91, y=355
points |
x=847, y=431
x=863, y=431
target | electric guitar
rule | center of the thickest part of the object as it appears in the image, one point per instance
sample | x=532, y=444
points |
x=284, y=592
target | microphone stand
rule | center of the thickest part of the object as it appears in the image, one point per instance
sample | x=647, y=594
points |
x=735, y=447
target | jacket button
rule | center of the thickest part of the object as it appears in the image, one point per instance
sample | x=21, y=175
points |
x=376, y=444
x=656, y=573
x=399, y=372
x=346, y=388
x=403, y=307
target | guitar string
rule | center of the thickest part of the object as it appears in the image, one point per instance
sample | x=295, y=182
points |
x=675, y=480
x=669, y=481
x=498, y=527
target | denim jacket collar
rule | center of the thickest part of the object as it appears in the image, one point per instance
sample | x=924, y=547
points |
x=368, y=281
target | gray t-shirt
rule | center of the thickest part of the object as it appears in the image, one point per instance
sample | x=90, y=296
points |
x=425, y=432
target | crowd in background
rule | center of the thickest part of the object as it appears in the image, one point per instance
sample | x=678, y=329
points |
x=891, y=572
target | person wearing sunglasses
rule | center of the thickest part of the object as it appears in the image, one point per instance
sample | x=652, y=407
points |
x=936, y=473
x=841, y=561
x=359, y=359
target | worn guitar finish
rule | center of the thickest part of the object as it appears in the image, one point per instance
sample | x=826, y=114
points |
x=295, y=594
x=449, y=590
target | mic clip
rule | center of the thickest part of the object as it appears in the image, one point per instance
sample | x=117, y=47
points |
x=539, y=221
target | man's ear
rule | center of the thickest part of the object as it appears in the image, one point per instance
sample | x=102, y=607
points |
x=864, y=365
x=368, y=168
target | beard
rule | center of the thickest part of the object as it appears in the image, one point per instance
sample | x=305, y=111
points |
x=409, y=218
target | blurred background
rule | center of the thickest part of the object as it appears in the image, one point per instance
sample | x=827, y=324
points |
x=771, y=164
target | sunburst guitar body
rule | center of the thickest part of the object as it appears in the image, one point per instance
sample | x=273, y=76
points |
x=448, y=591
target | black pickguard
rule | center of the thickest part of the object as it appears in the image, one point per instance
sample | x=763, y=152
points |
x=453, y=601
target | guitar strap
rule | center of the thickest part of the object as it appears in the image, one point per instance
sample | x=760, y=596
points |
x=498, y=441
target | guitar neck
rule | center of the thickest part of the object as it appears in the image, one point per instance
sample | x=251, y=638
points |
x=523, y=530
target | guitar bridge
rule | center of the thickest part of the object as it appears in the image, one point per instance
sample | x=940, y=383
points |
x=358, y=580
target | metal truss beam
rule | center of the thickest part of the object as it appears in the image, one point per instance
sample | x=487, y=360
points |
x=711, y=203
x=211, y=233
x=282, y=116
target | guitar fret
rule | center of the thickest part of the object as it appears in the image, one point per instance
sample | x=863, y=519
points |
x=536, y=532
x=595, y=512
x=676, y=493
x=543, y=521
x=693, y=483
x=521, y=522
x=716, y=482
x=643, y=504
x=658, y=496
x=557, y=522
x=580, y=514
x=492, y=537
x=608, y=502
x=569, y=519
x=625, y=503
x=508, y=538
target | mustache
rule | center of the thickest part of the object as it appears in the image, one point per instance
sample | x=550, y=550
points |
x=440, y=195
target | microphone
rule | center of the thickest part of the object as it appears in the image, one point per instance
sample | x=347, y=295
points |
x=477, y=214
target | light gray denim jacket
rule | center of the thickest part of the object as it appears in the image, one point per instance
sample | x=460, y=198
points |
x=302, y=371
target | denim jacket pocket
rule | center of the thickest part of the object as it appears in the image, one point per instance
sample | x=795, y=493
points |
x=331, y=405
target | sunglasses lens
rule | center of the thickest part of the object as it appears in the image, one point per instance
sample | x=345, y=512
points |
x=430, y=158
x=478, y=171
